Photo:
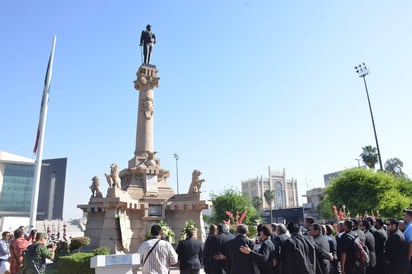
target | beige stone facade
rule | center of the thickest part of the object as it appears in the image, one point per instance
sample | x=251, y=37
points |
x=286, y=191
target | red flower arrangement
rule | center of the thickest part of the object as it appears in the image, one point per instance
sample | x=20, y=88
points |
x=235, y=220
x=342, y=214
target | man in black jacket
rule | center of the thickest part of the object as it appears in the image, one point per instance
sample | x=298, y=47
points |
x=396, y=261
x=264, y=258
x=347, y=250
x=322, y=241
x=299, y=252
x=333, y=245
x=380, y=239
x=215, y=250
x=190, y=254
x=236, y=261
x=370, y=243
x=358, y=231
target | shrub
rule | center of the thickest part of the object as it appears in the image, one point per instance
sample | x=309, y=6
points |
x=78, y=263
x=252, y=231
x=105, y=250
x=78, y=242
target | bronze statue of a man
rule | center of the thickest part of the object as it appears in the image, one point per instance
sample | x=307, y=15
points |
x=147, y=40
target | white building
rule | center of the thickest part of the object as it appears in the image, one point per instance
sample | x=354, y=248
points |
x=314, y=197
x=285, y=190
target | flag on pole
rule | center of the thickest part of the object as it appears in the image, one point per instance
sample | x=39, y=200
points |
x=38, y=147
x=45, y=97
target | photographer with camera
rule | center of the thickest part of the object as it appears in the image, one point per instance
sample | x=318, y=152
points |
x=35, y=256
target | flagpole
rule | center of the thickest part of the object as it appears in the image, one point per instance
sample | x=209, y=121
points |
x=40, y=138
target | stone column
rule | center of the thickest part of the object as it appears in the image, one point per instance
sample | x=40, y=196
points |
x=146, y=81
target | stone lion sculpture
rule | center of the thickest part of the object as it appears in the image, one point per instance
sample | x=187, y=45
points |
x=196, y=182
x=95, y=187
x=113, y=178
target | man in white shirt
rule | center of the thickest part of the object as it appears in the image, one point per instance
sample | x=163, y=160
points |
x=156, y=255
x=4, y=252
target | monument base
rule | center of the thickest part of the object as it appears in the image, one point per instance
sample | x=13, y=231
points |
x=123, y=223
x=120, y=264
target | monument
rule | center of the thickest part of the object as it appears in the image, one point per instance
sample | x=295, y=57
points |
x=139, y=196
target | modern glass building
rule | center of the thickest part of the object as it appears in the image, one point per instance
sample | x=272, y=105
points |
x=16, y=188
x=16, y=184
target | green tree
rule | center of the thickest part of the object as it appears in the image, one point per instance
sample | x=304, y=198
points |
x=257, y=203
x=325, y=209
x=233, y=201
x=361, y=189
x=369, y=156
x=405, y=186
x=269, y=197
x=394, y=166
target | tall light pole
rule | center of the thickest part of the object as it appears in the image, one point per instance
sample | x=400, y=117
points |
x=177, y=171
x=270, y=189
x=362, y=71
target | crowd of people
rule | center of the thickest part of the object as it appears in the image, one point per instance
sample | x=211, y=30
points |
x=278, y=249
x=314, y=248
x=14, y=247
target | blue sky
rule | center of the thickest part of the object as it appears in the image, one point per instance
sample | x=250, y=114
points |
x=243, y=85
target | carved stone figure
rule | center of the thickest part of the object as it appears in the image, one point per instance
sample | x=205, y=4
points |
x=113, y=178
x=196, y=182
x=150, y=159
x=95, y=187
x=148, y=107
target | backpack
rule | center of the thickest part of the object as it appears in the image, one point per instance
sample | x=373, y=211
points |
x=362, y=255
x=29, y=260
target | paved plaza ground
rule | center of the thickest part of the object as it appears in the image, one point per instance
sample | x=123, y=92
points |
x=175, y=270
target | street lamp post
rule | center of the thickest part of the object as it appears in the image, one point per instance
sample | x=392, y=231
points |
x=270, y=189
x=177, y=171
x=362, y=71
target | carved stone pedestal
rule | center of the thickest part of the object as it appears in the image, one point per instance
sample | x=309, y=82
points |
x=123, y=218
x=122, y=223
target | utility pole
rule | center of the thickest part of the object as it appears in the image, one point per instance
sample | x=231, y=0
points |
x=270, y=189
x=362, y=71
x=177, y=171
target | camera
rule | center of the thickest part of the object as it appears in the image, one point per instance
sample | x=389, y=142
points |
x=50, y=245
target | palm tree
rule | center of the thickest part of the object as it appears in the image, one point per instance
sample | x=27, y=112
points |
x=369, y=156
x=269, y=197
x=257, y=203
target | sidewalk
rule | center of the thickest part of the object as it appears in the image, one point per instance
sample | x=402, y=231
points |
x=175, y=270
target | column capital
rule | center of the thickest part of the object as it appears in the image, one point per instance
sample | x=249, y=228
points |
x=146, y=78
